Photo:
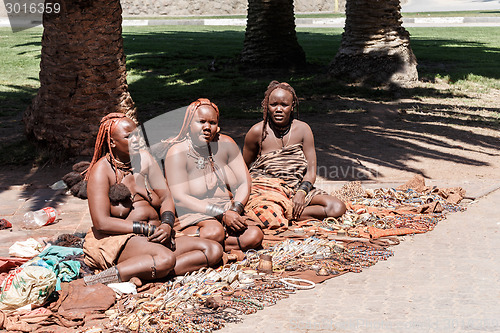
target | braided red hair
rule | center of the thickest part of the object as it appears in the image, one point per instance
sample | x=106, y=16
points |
x=103, y=140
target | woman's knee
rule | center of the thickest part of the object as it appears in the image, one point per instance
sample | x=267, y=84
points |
x=252, y=238
x=164, y=261
x=335, y=208
x=213, y=251
x=213, y=232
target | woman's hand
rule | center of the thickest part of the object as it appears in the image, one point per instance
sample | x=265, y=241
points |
x=299, y=203
x=164, y=234
x=234, y=221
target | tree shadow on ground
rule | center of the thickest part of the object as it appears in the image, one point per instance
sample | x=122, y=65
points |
x=17, y=154
x=360, y=145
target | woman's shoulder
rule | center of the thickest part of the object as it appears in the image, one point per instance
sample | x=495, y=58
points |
x=225, y=138
x=101, y=169
x=301, y=127
x=301, y=124
x=257, y=127
x=179, y=147
x=146, y=155
x=255, y=131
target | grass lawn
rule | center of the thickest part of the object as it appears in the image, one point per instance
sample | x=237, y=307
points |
x=170, y=66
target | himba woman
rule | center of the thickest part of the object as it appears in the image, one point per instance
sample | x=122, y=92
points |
x=209, y=181
x=133, y=213
x=281, y=155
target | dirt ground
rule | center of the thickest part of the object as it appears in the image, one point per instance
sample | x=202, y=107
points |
x=453, y=136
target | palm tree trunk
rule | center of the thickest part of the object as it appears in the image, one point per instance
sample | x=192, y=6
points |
x=82, y=76
x=375, y=47
x=270, y=38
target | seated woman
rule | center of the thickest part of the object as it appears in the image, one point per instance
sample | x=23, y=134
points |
x=282, y=156
x=209, y=181
x=132, y=213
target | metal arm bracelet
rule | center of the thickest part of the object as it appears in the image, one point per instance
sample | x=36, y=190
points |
x=168, y=217
x=143, y=228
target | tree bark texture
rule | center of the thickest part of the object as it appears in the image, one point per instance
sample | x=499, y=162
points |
x=270, y=37
x=82, y=75
x=375, y=47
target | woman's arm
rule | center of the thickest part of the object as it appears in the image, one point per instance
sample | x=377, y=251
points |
x=240, y=187
x=163, y=233
x=98, y=199
x=158, y=182
x=310, y=153
x=236, y=163
x=251, y=146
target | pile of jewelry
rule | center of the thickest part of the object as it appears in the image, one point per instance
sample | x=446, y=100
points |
x=391, y=198
x=418, y=222
x=349, y=191
x=325, y=257
x=208, y=299
x=163, y=309
x=362, y=256
x=265, y=293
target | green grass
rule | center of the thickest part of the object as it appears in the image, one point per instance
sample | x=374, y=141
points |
x=462, y=54
x=169, y=66
x=20, y=59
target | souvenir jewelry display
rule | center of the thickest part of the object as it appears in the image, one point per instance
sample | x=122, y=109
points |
x=206, y=300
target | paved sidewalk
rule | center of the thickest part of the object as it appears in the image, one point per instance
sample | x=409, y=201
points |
x=18, y=200
x=447, y=280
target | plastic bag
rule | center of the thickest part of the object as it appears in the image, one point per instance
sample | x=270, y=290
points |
x=123, y=288
x=26, y=285
x=25, y=249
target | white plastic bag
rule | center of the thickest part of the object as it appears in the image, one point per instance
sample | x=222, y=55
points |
x=26, y=249
x=26, y=285
x=123, y=288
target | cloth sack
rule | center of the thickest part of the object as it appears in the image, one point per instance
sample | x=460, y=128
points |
x=26, y=285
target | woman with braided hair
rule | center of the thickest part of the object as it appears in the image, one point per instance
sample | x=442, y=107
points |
x=280, y=153
x=209, y=181
x=133, y=213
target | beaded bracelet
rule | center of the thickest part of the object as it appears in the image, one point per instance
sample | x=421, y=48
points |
x=168, y=217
